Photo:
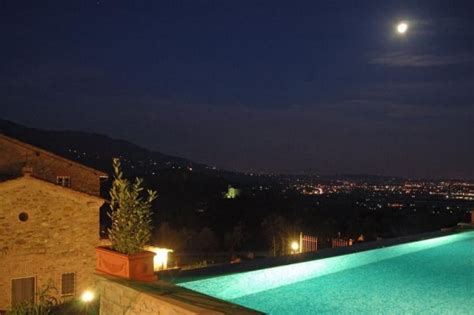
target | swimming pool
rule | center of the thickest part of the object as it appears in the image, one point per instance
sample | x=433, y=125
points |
x=423, y=277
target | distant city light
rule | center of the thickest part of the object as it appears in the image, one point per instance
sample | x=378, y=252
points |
x=87, y=296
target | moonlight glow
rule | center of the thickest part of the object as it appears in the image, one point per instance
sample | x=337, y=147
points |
x=402, y=28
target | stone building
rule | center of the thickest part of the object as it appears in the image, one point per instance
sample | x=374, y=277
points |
x=49, y=223
x=15, y=155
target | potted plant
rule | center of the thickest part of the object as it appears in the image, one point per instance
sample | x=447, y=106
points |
x=130, y=231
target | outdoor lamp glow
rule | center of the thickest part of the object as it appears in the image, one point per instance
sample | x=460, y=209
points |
x=295, y=246
x=87, y=296
x=160, y=260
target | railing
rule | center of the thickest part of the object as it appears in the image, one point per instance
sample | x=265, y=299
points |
x=340, y=242
x=308, y=243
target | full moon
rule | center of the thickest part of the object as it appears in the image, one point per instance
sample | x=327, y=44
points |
x=402, y=28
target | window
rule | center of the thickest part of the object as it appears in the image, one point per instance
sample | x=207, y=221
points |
x=23, y=290
x=68, y=283
x=63, y=181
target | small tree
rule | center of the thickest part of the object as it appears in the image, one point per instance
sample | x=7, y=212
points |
x=235, y=239
x=130, y=213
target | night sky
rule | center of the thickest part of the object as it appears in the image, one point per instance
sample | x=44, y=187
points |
x=268, y=86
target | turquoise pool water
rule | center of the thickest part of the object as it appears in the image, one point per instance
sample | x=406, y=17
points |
x=434, y=276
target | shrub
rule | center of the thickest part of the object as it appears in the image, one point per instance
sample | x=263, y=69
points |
x=45, y=302
x=130, y=213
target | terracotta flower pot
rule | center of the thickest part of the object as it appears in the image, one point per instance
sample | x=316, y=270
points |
x=135, y=267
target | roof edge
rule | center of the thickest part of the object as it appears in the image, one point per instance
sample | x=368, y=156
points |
x=32, y=147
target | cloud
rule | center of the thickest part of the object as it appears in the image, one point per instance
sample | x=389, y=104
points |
x=403, y=59
x=438, y=26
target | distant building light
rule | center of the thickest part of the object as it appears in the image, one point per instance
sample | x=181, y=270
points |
x=232, y=193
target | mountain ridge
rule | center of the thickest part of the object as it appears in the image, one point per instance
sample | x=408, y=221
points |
x=97, y=150
x=93, y=149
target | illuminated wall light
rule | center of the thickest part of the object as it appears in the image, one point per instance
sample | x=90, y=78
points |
x=87, y=296
x=160, y=260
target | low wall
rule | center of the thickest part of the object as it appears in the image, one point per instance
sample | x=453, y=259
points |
x=120, y=296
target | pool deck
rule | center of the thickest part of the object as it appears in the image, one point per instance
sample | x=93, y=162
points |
x=178, y=276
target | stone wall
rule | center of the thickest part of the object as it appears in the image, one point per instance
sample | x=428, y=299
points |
x=126, y=297
x=14, y=155
x=59, y=236
x=118, y=299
